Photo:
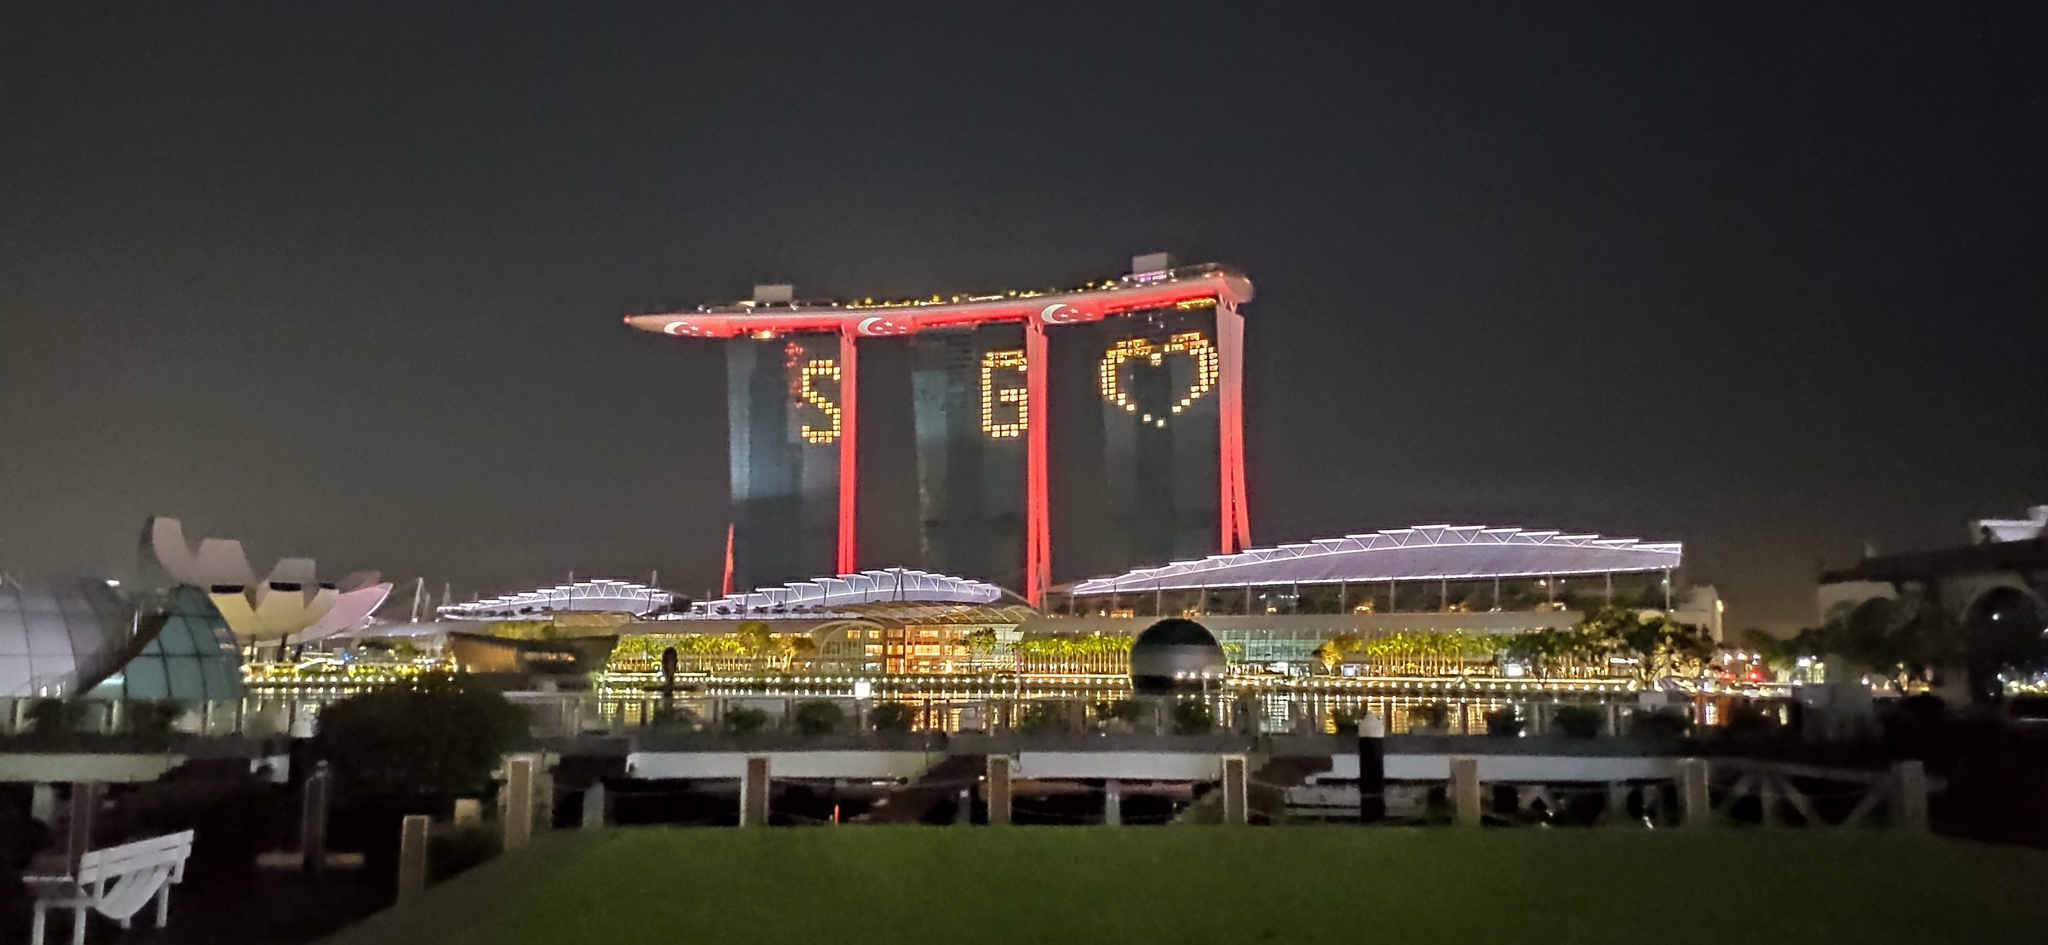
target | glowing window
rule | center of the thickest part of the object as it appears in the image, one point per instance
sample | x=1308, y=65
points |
x=992, y=397
x=1188, y=343
x=808, y=393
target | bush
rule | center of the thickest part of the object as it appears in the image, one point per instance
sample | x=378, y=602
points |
x=1580, y=721
x=1193, y=717
x=672, y=718
x=153, y=722
x=1432, y=715
x=452, y=849
x=233, y=814
x=1661, y=723
x=1121, y=710
x=745, y=721
x=1924, y=707
x=1748, y=718
x=894, y=717
x=1502, y=723
x=434, y=735
x=1039, y=718
x=818, y=718
x=55, y=718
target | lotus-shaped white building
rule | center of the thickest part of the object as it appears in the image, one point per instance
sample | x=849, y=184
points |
x=290, y=605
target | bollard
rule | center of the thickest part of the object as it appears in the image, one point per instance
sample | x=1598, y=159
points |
x=1909, y=796
x=313, y=822
x=1696, y=806
x=83, y=803
x=543, y=795
x=998, y=790
x=1465, y=791
x=1236, y=807
x=1112, y=803
x=518, y=801
x=412, y=856
x=42, y=804
x=754, y=792
x=963, y=807
x=1616, y=812
x=1372, y=769
x=468, y=812
x=593, y=806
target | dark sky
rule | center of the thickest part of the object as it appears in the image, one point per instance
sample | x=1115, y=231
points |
x=345, y=279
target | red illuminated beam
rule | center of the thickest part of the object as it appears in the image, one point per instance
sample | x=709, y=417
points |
x=1236, y=526
x=1037, y=484
x=849, y=449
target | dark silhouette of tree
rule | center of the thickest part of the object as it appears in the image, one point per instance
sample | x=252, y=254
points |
x=436, y=734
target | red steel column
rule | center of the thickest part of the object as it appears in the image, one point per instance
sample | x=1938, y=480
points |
x=849, y=446
x=1236, y=530
x=1037, y=486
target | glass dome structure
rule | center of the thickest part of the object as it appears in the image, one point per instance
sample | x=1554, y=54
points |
x=56, y=636
x=190, y=656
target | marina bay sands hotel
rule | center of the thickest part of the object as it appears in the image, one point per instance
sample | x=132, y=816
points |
x=1116, y=406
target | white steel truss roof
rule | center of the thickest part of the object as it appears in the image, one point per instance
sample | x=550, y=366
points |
x=828, y=594
x=598, y=596
x=1421, y=553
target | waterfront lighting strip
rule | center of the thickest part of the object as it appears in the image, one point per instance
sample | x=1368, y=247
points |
x=648, y=684
x=1420, y=553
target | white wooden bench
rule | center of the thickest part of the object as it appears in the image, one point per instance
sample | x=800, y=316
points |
x=115, y=882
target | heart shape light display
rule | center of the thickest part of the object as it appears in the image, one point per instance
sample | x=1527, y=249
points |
x=1190, y=344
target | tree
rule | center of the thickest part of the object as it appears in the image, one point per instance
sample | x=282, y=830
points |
x=764, y=644
x=1193, y=717
x=818, y=718
x=1039, y=718
x=1333, y=651
x=1901, y=639
x=1120, y=710
x=1328, y=656
x=745, y=721
x=1650, y=643
x=434, y=734
x=1776, y=652
x=2003, y=631
x=891, y=717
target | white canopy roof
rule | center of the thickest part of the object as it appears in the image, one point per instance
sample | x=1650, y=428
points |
x=826, y=594
x=598, y=596
x=1424, y=552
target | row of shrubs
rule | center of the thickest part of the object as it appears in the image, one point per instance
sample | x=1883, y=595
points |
x=809, y=718
x=819, y=717
x=1572, y=721
x=149, y=723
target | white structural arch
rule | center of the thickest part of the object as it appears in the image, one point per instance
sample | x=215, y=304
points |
x=828, y=594
x=1421, y=553
x=595, y=596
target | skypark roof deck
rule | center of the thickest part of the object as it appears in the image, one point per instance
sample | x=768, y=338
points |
x=1186, y=285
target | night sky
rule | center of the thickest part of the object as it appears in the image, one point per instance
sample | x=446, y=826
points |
x=346, y=279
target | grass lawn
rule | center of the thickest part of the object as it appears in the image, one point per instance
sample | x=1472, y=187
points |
x=1075, y=886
